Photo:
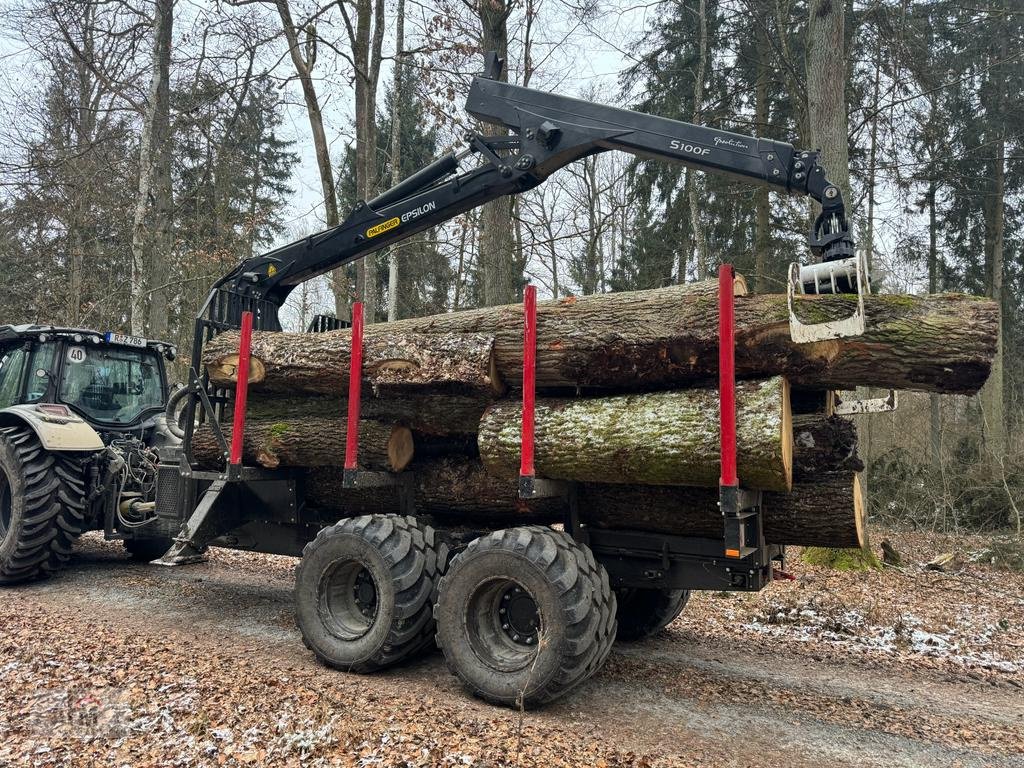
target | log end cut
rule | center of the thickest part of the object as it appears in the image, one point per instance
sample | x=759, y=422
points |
x=858, y=512
x=224, y=371
x=400, y=448
x=786, y=439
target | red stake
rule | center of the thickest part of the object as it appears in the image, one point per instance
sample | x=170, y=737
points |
x=241, y=389
x=529, y=379
x=727, y=374
x=355, y=380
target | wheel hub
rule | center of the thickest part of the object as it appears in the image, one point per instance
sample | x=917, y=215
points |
x=519, y=617
x=365, y=593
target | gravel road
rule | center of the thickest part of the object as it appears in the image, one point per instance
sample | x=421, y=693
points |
x=114, y=663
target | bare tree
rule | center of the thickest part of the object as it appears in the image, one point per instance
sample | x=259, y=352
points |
x=396, y=151
x=154, y=185
x=303, y=56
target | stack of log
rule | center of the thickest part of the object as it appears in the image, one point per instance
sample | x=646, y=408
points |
x=627, y=406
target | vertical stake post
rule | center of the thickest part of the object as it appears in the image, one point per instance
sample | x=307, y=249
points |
x=241, y=394
x=728, y=484
x=355, y=381
x=526, y=469
x=727, y=374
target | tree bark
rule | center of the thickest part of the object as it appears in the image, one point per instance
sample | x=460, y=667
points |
x=396, y=152
x=293, y=363
x=153, y=155
x=456, y=490
x=826, y=512
x=660, y=438
x=668, y=338
x=309, y=441
x=498, y=260
x=304, y=70
x=826, y=91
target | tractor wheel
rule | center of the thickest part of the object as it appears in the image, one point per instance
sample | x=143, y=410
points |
x=645, y=612
x=148, y=550
x=365, y=589
x=42, y=506
x=524, y=615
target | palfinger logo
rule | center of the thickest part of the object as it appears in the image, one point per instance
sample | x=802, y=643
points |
x=383, y=227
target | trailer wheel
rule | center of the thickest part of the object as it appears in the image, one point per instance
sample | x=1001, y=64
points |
x=42, y=506
x=524, y=615
x=645, y=612
x=364, y=591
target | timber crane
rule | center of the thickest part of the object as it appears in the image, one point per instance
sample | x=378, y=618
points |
x=548, y=132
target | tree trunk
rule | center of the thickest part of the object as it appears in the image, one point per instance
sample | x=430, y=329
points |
x=660, y=438
x=426, y=414
x=309, y=441
x=826, y=91
x=455, y=490
x=497, y=252
x=762, y=203
x=697, y=227
x=148, y=260
x=668, y=338
x=396, y=152
x=826, y=512
x=292, y=363
x=304, y=70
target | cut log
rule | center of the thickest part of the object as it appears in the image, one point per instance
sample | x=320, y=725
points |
x=291, y=363
x=668, y=338
x=658, y=438
x=456, y=490
x=826, y=512
x=426, y=414
x=823, y=444
x=309, y=442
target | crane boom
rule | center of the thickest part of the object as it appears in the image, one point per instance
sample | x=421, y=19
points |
x=548, y=132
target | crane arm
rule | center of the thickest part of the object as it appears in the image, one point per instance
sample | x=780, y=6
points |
x=548, y=132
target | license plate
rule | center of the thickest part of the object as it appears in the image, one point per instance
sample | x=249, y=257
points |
x=128, y=341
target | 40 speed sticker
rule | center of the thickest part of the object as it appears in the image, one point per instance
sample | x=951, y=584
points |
x=383, y=227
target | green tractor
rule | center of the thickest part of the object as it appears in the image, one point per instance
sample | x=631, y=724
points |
x=82, y=419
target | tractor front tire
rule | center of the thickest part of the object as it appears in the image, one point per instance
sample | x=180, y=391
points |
x=42, y=506
x=524, y=615
x=645, y=612
x=365, y=591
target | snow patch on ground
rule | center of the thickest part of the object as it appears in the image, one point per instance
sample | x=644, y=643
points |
x=907, y=635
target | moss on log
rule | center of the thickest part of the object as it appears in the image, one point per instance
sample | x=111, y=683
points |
x=290, y=363
x=658, y=438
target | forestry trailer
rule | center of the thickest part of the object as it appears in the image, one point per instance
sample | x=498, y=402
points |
x=522, y=614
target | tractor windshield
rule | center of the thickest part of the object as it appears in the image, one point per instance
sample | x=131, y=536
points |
x=111, y=384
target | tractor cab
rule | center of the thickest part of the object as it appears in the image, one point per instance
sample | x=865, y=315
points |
x=116, y=383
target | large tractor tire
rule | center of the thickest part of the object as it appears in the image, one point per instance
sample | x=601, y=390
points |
x=42, y=506
x=365, y=590
x=525, y=615
x=645, y=612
